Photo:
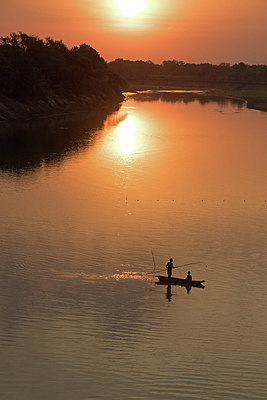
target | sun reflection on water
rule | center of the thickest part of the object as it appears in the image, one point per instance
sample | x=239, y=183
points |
x=126, y=139
x=127, y=136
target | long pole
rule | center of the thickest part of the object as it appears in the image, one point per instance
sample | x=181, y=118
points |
x=185, y=265
x=153, y=261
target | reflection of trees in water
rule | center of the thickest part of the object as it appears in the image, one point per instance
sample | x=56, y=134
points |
x=172, y=97
x=24, y=147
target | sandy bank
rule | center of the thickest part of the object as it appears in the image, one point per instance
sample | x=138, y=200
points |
x=255, y=96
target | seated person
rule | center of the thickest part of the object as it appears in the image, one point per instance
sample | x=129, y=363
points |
x=189, y=277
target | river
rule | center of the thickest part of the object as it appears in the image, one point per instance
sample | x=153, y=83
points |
x=86, y=201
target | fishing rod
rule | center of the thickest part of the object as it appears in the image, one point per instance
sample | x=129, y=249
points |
x=178, y=266
x=185, y=265
x=153, y=261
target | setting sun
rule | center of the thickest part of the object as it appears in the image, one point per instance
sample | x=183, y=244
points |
x=131, y=8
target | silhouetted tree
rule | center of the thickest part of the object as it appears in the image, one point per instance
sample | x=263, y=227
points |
x=33, y=68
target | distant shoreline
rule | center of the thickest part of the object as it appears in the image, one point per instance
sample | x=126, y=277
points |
x=255, y=96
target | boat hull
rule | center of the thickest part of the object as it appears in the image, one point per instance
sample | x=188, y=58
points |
x=165, y=280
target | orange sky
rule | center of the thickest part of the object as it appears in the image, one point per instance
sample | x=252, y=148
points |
x=188, y=30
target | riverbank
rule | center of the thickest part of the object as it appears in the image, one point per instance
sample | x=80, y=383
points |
x=255, y=96
x=13, y=110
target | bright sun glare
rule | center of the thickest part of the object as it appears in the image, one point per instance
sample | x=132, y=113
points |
x=127, y=130
x=131, y=8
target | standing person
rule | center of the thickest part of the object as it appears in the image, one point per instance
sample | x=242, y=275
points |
x=169, y=267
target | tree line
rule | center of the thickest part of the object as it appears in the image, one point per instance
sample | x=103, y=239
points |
x=31, y=68
x=173, y=70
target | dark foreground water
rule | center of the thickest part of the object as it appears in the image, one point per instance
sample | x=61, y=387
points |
x=83, y=203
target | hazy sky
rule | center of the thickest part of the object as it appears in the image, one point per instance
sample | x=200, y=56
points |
x=188, y=30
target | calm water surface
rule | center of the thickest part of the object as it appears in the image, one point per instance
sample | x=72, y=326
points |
x=83, y=202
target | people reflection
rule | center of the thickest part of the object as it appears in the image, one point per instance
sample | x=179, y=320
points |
x=188, y=288
x=169, y=267
x=169, y=293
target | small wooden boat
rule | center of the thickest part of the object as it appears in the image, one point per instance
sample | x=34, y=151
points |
x=165, y=280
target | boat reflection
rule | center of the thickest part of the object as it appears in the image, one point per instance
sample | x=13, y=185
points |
x=169, y=289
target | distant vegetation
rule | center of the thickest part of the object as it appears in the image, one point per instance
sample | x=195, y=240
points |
x=31, y=68
x=179, y=72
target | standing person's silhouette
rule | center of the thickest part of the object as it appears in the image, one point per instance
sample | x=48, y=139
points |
x=169, y=267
